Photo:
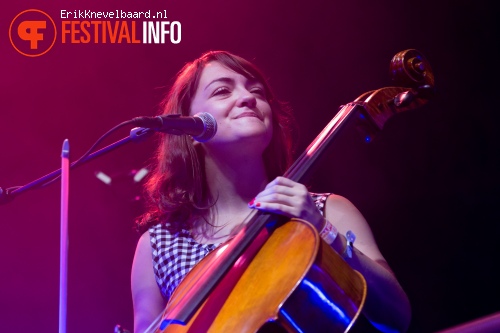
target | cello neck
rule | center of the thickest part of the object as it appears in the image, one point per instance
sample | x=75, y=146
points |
x=299, y=170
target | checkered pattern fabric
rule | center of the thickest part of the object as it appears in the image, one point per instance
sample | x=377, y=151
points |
x=174, y=255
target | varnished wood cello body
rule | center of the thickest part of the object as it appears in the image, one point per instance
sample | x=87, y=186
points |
x=281, y=271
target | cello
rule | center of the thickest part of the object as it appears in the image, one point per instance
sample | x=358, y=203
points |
x=279, y=270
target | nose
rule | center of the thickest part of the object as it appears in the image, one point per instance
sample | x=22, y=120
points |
x=247, y=99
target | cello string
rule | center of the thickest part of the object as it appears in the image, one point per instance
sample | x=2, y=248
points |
x=155, y=324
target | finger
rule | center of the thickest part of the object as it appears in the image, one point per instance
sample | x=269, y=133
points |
x=282, y=181
x=313, y=217
x=284, y=186
x=280, y=199
x=277, y=208
x=272, y=193
x=298, y=187
x=297, y=206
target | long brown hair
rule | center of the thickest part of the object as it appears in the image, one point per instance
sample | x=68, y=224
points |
x=176, y=190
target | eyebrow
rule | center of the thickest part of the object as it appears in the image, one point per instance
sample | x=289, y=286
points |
x=250, y=81
x=220, y=79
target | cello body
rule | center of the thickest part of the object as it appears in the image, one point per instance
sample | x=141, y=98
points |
x=294, y=280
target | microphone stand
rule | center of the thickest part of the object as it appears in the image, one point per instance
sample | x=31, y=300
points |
x=63, y=248
x=136, y=135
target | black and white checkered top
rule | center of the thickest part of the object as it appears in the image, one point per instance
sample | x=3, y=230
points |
x=174, y=255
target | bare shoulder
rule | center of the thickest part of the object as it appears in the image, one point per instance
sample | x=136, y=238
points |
x=345, y=216
x=147, y=299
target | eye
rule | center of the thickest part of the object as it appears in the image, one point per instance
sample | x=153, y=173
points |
x=258, y=91
x=221, y=91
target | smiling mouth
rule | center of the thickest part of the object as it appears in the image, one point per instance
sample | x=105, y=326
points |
x=249, y=114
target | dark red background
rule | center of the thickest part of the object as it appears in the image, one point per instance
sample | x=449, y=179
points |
x=428, y=185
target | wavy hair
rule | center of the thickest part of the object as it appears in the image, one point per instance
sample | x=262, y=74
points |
x=176, y=190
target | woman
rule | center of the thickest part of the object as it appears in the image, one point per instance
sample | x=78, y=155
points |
x=201, y=192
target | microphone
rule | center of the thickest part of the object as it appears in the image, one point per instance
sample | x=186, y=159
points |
x=202, y=126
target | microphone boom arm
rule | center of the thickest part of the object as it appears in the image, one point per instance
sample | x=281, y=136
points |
x=137, y=134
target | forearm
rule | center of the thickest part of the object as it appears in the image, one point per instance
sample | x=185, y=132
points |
x=387, y=306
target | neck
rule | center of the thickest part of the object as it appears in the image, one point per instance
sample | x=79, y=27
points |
x=234, y=180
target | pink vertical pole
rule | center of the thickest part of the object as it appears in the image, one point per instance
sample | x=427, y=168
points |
x=63, y=255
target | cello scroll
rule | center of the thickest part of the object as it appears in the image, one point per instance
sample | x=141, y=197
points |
x=409, y=69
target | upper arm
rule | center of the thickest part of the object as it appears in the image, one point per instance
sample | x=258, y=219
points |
x=146, y=296
x=345, y=216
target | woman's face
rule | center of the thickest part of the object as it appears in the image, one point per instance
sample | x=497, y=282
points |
x=238, y=104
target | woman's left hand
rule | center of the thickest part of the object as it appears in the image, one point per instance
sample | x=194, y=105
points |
x=286, y=197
